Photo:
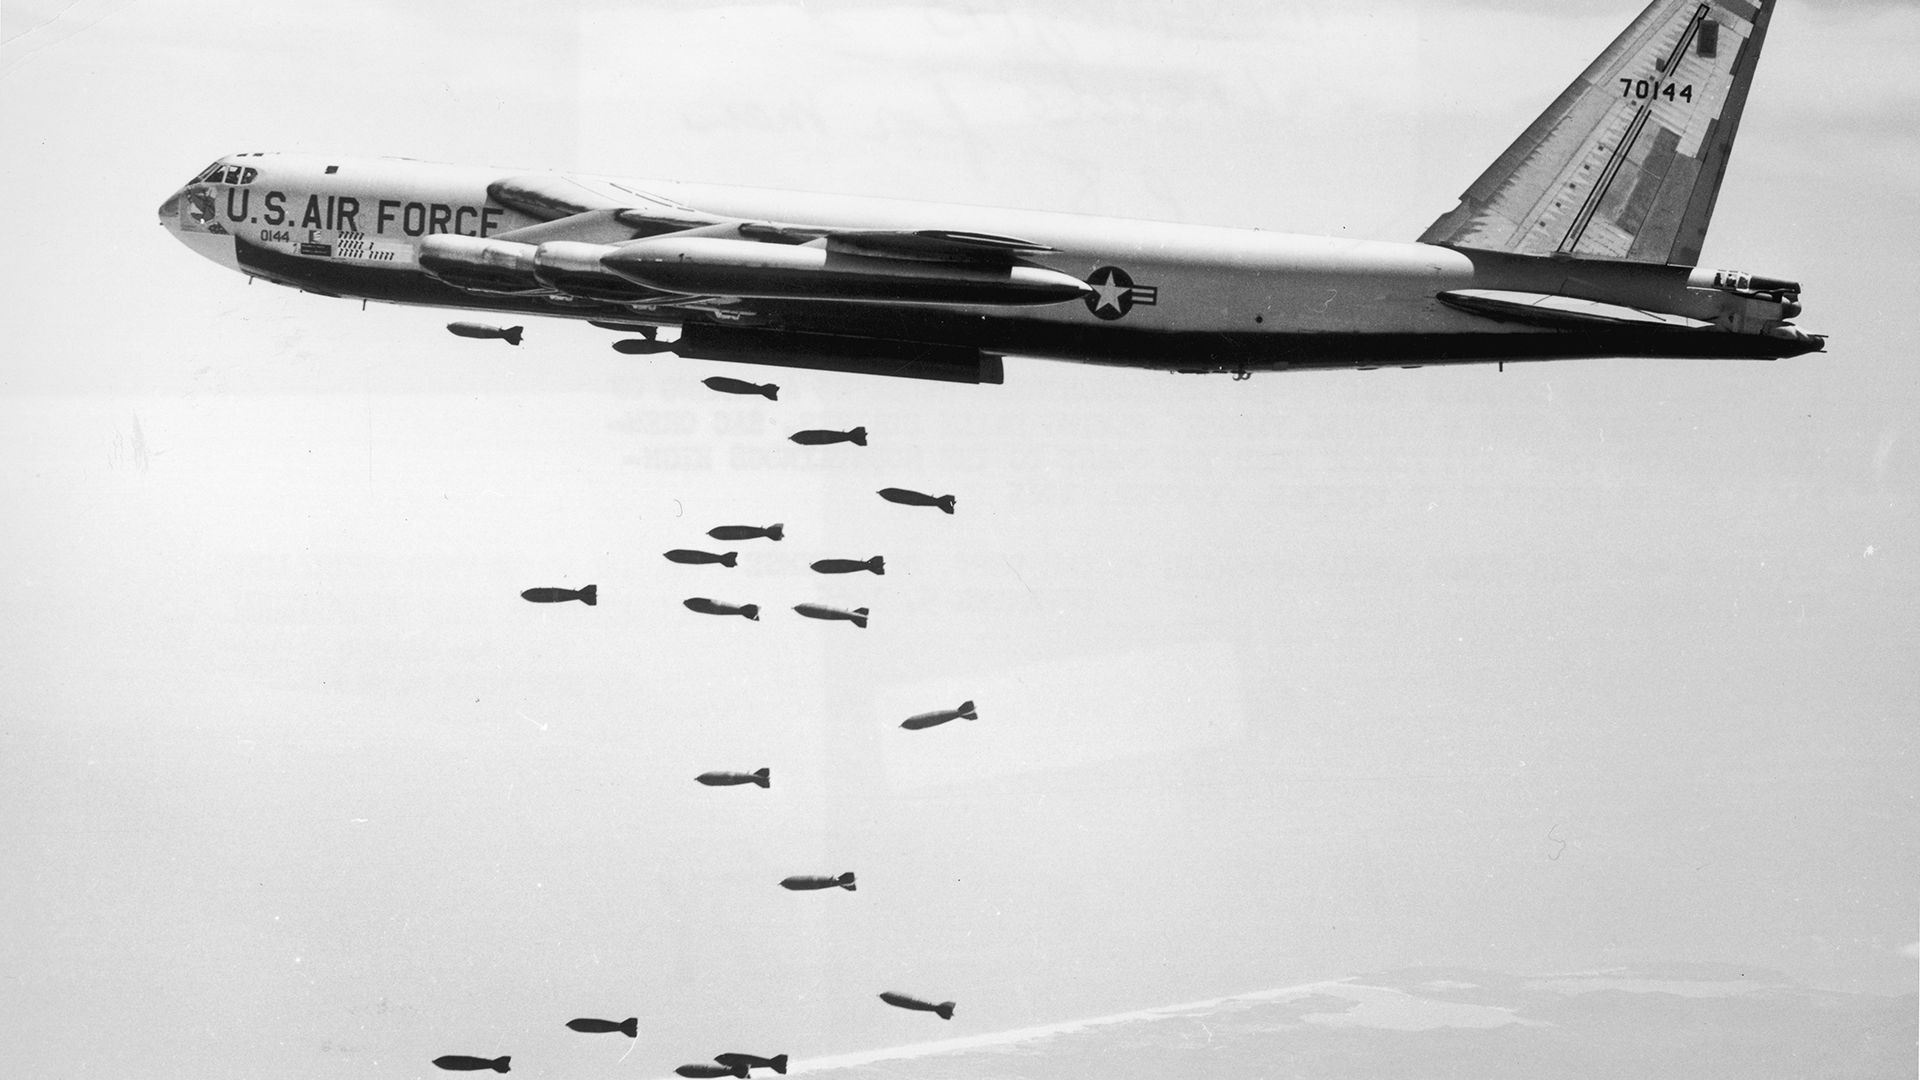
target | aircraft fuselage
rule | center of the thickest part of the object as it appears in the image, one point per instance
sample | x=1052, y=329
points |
x=1161, y=295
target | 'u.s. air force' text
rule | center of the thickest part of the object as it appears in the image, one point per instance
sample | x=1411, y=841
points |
x=344, y=213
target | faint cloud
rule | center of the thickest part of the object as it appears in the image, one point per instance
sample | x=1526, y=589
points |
x=1883, y=452
x=1397, y=1010
x=1680, y=987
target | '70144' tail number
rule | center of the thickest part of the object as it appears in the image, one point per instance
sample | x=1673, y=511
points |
x=1652, y=89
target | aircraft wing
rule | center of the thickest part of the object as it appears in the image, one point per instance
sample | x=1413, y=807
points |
x=551, y=196
x=597, y=211
x=602, y=241
x=1561, y=312
x=928, y=245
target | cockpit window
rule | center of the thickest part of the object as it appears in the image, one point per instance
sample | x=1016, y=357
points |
x=221, y=173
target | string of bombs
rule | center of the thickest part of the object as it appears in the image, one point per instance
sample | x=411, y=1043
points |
x=732, y=1063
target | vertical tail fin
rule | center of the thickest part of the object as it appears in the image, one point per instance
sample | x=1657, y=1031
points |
x=731, y=558
x=590, y=595
x=945, y=1009
x=779, y=1063
x=776, y=532
x=751, y=611
x=877, y=564
x=945, y=502
x=512, y=334
x=859, y=436
x=630, y=1027
x=847, y=882
x=860, y=617
x=1627, y=162
x=763, y=777
x=966, y=711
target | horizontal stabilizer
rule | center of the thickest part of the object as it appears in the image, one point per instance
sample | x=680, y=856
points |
x=1549, y=309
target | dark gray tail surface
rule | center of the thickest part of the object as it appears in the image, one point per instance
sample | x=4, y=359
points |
x=1627, y=162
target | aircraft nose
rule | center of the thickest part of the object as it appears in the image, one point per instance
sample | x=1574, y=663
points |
x=170, y=210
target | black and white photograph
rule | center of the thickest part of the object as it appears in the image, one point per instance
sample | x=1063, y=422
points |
x=963, y=540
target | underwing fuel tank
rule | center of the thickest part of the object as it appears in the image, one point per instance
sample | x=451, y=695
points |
x=574, y=268
x=710, y=265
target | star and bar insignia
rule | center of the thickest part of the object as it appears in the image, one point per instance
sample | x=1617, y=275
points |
x=1115, y=294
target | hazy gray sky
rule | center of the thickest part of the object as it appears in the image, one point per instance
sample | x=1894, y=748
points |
x=1562, y=668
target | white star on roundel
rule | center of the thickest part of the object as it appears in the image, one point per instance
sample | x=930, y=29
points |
x=1113, y=292
x=1110, y=292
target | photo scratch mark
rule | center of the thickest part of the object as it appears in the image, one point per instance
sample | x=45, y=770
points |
x=130, y=448
x=1021, y=580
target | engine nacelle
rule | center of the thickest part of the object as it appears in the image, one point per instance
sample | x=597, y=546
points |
x=469, y=262
x=574, y=268
x=711, y=265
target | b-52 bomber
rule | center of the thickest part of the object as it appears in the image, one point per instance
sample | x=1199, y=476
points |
x=1581, y=240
